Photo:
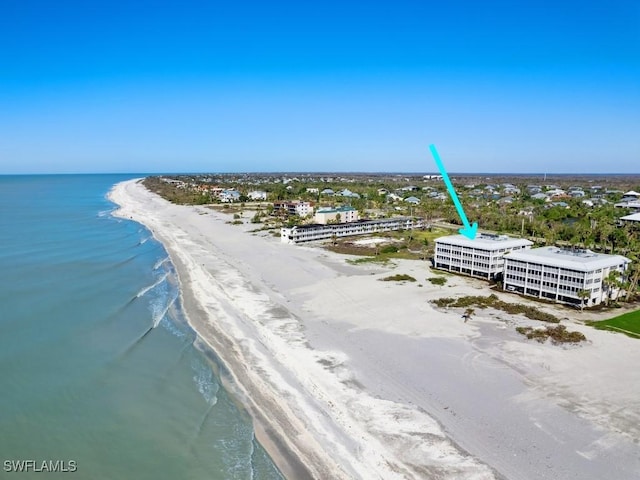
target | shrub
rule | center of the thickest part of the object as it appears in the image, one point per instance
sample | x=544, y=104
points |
x=398, y=278
x=558, y=334
x=437, y=280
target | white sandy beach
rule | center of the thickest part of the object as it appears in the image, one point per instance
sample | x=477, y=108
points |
x=348, y=377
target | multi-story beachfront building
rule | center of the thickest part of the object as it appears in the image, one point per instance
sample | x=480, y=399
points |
x=295, y=207
x=308, y=233
x=481, y=257
x=339, y=214
x=561, y=274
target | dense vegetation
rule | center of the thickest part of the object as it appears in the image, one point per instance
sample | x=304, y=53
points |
x=494, y=302
x=183, y=196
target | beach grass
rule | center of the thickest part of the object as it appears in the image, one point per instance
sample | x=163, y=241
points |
x=627, y=323
x=379, y=259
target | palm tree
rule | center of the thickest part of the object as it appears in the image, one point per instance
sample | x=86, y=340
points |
x=633, y=279
x=634, y=270
x=610, y=282
x=467, y=314
x=583, y=295
x=604, y=230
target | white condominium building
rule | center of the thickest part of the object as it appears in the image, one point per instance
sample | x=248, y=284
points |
x=560, y=274
x=481, y=257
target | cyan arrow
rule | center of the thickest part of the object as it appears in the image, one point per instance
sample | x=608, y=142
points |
x=468, y=231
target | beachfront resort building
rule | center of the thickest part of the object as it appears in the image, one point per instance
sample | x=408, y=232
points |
x=344, y=214
x=481, y=257
x=561, y=274
x=308, y=233
x=295, y=207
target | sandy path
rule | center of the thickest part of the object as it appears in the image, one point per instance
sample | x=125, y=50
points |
x=350, y=377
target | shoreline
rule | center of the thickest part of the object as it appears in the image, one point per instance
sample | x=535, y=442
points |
x=348, y=377
x=215, y=344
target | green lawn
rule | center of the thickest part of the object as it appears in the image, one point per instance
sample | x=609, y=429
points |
x=430, y=236
x=628, y=323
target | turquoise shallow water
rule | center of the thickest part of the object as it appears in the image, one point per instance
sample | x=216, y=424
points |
x=81, y=379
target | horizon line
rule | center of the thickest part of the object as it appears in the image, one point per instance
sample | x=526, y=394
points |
x=326, y=172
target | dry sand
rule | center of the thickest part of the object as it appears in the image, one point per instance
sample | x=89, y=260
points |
x=347, y=376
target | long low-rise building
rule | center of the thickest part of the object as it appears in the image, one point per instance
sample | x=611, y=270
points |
x=308, y=233
x=479, y=257
x=562, y=274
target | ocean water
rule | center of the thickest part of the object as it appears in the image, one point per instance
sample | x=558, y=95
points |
x=97, y=365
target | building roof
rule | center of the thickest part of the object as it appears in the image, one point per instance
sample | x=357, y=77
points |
x=629, y=204
x=364, y=221
x=635, y=217
x=336, y=209
x=574, y=259
x=632, y=193
x=484, y=241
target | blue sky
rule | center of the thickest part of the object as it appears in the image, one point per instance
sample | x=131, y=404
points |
x=143, y=86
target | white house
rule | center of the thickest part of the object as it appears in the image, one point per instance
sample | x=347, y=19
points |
x=634, y=217
x=481, y=257
x=257, y=195
x=556, y=192
x=630, y=200
x=229, y=196
x=631, y=204
x=560, y=274
x=347, y=193
x=540, y=196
